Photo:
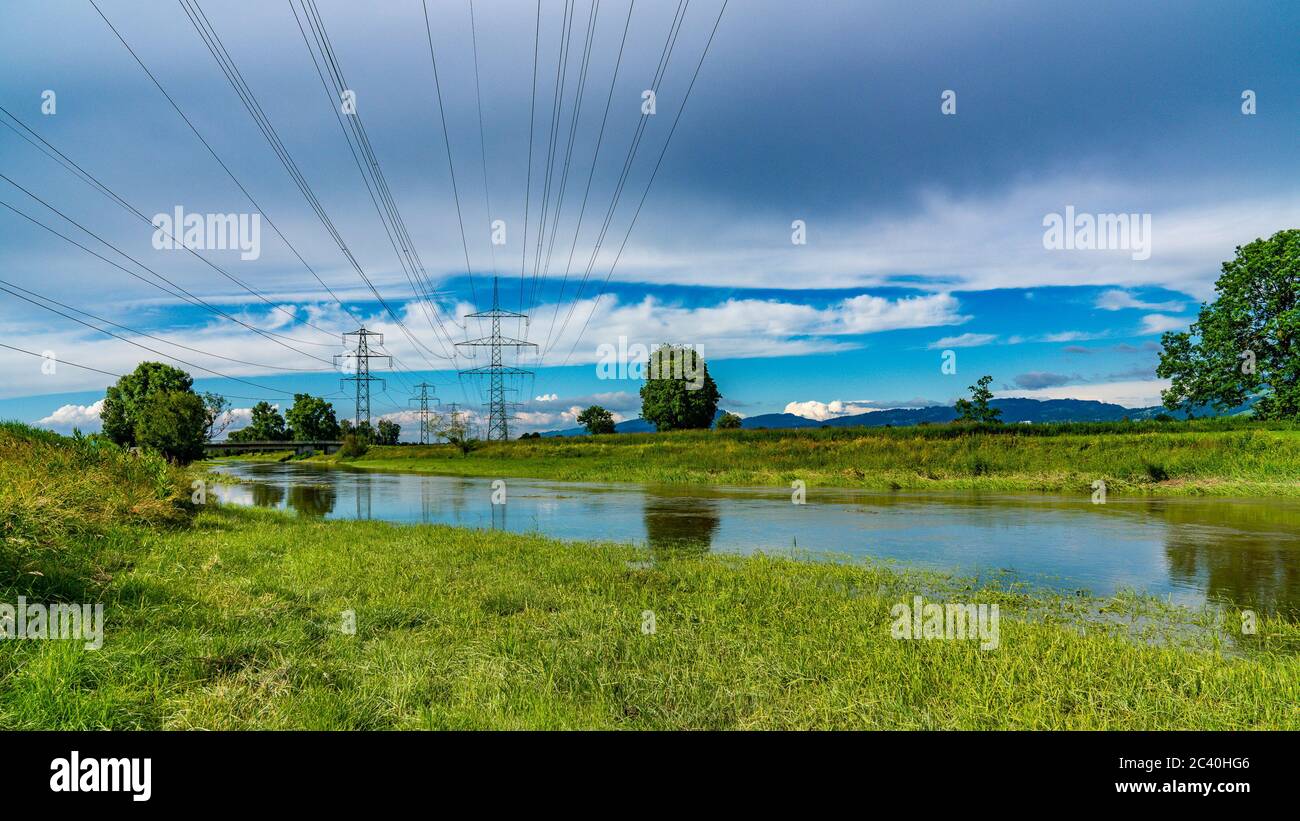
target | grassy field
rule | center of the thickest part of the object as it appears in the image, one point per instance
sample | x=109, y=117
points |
x=227, y=618
x=1223, y=457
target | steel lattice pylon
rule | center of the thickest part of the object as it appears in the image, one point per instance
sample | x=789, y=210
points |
x=357, y=362
x=498, y=420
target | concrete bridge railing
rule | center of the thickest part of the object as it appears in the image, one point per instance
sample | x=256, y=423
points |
x=299, y=448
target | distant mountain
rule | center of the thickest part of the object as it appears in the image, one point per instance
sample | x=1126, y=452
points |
x=1013, y=411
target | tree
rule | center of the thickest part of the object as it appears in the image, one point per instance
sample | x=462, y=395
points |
x=1244, y=344
x=388, y=432
x=976, y=409
x=174, y=424
x=125, y=400
x=728, y=421
x=266, y=425
x=216, y=410
x=678, y=393
x=455, y=429
x=312, y=419
x=596, y=420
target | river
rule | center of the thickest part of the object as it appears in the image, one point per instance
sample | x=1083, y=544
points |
x=1188, y=550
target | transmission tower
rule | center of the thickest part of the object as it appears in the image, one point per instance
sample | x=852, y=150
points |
x=357, y=363
x=496, y=372
x=423, y=398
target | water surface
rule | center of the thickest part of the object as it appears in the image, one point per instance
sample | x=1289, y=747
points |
x=1189, y=550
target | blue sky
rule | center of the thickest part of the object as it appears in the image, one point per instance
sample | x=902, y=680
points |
x=924, y=230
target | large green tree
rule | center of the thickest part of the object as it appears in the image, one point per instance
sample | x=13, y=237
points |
x=174, y=424
x=266, y=425
x=1243, y=344
x=678, y=392
x=387, y=432
x=596, y=420
x=125, y=401
x=312, y=419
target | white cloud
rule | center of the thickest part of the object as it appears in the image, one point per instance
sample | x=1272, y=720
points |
x=821, y=411
x=747, y=328
x=1159, y=323
x=68, y=417
x=963, y=341
x=1115, y=300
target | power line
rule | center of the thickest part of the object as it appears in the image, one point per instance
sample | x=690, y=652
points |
x=5, y=285
x=685, y=99
x=231, y=71
x=187, y=295
x=528, y=189
x=146, y=347
x=451, y=168
x=212, y=151
x=408, y=256
x=72, y=167
x=674, y=29
x=591, y=175
x=482, y=140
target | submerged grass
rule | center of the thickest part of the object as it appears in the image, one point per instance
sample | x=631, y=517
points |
x=233, y=620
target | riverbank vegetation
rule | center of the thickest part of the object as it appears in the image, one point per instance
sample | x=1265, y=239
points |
x=226, y=618
x=1223, y=457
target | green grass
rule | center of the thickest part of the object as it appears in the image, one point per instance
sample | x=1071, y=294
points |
x=1221, y=457
x=236, y=624
x=231, y=619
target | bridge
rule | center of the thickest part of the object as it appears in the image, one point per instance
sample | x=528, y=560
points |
x=299, y=448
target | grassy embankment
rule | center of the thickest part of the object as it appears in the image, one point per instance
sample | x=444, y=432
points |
x=1223, y=457
x=231, y=619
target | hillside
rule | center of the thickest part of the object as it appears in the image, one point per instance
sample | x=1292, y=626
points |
x=1014, y=410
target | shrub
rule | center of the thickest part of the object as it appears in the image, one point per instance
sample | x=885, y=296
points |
x=353, y=446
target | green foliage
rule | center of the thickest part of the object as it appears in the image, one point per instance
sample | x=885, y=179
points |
x=353, y=446
x=976, y=409
x=173, y=424
x=729, y=421
x=266, y=425
x=678, y=393
x=596, y=420
x=1245, y=343
x=125, y=400
x=311, y=419
x=387, y=432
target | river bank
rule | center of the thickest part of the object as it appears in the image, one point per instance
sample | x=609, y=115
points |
x=252, y=619
x=1215, y=457
x=220, y=618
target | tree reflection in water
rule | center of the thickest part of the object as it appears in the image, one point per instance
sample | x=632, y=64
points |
x=680, y=525
x=1241, y=551
x=316, y=501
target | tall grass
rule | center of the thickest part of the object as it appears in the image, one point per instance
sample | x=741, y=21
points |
x=237, y=624
x=1213, y=456
x=63, y=499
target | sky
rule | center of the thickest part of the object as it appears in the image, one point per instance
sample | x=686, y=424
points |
x=830, y=200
